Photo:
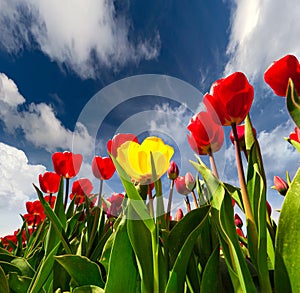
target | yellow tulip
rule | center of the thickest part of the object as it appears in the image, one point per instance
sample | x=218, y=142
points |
x=135, y=159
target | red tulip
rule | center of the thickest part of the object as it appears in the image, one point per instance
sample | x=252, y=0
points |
x=230, y=99
x=241, y=135
x=35, y=213
x=81, y=188
x=295, y=135
x=49, y=182
x=173, y=171
x=115, y=207
x=117, y=140
x=179, y=215
x=278, y=73
x=238, y=221
x=50, y=200
x=66, y=164
x=269, y=208
x=103, y=167
x=280, y=185
x=180, y=185
x=206, y=136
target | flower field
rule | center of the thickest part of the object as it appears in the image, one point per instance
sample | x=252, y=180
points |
x=73, y=240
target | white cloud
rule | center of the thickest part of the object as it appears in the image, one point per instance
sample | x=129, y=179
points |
x=38, y=121
x=76, y=33
x=262, y=31
x=16, y=178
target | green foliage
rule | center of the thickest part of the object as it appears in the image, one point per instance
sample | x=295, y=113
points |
x=287, y=249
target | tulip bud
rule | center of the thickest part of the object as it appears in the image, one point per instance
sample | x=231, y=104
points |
x=180, y=185
x=190, y=182
x=179, y=215
x=238, y=221
x=173, y=171
x=280, y=185
x=240, y=232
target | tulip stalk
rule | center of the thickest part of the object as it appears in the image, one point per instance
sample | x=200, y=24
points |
x=67, y=192
x=213, y=163
x=169, y=204
x=244, y=192
x=151, y=209
x=100, y=194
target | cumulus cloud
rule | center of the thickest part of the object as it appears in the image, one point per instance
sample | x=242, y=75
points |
x=262, y=31
x=16, y=176
x=38, y=122
x=74, y=32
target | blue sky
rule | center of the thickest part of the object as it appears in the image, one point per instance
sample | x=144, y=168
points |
x=56, y=56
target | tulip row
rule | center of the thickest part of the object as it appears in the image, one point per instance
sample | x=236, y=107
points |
x=129, y=242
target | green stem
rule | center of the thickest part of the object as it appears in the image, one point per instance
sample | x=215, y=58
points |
x=195, y=199
x=169, y=205
x=100, y=194
x=154, y=241
x=151, y=209
x=67, y=192
x=213, y=163
x=247, y=205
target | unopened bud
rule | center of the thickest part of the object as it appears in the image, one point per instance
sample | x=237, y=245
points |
x=179, y=215
x=173, y=171
x=190, y=182
x=280, y=185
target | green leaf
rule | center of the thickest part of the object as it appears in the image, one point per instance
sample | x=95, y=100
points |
x=256, y=187
x=88, y=289
x=211, y=276
x=182, y=230
x=122, y=270
x=8, y=267
x=24, y=266
x=4, y=287
x=43, y=272
x=293, y=102
x=75, y=265
x=287, y=247
x=223, y=218
x=136, y=201
x=18, y=283
x=56, y=223
x=178, y=272
x=294, y=143
x=140, y=239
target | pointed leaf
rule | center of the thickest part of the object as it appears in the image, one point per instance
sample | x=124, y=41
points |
x=75, y=265
x=4, y=287
x=293, y=102
x=122, y=270
x=287, y=248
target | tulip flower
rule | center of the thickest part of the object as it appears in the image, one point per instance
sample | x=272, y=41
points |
x=35, y=213
x=280, y=185
x=115, y=207
x=81, y=188
x=49, y=182
x=66, y=164
x=103, y=167
x=269, y=208
x=230, y=99
x=135, y=159
x=295, y=135
x=278, y=73
x=206, y=135
x=117, y=140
